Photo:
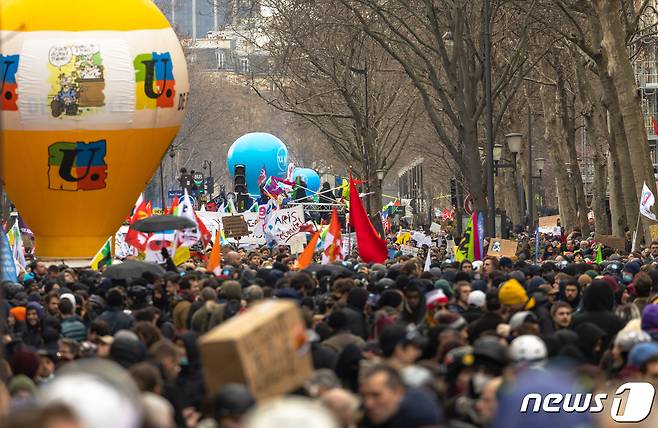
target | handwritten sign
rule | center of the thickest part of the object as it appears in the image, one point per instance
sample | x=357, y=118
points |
x=281, y=225
x=235, y=226
x=502, y=248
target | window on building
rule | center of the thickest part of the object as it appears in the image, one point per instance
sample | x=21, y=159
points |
x=244, y=65
x=221, y=59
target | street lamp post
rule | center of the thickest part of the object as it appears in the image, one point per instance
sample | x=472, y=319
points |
x=491, y=224
x=207, y=164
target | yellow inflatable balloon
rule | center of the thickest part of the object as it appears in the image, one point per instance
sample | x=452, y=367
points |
x=93, y=93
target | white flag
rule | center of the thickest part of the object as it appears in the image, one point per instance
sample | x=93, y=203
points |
x=428, y=261
x=646, y=202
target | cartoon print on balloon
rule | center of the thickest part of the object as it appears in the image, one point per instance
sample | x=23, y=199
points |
x=76, y=78
x=8, y=68
x=77, y=166
x=154, y=81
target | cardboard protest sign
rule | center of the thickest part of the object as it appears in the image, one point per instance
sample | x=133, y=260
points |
x=235, y=226
x=502, y=248
x=549, y=221
x=549, y=225
x=615, y=242
x=435, y=228
x=265, y=348
x=213, y=220
x=297, y=243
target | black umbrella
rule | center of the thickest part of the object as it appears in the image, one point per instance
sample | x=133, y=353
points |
x=335, y=269
x=160, y=223
x=132, y=269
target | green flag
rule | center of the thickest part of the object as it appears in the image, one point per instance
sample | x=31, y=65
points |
x=599, y=255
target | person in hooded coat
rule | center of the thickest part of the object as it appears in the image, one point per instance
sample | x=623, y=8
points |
x=598, y=303
x=357, y=322
x=190, y=378
x=32, y=334
x=590, y=341
x=413, y=310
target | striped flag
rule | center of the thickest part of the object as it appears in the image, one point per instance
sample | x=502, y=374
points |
x=104, y=256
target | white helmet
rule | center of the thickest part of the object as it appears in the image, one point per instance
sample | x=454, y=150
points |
x=527, y=348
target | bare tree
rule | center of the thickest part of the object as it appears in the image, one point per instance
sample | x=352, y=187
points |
x=328, y=72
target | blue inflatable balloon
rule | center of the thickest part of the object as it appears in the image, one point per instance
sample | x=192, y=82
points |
x=310, y=177
x=254, y=150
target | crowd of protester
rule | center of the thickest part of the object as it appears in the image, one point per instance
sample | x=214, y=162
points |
x=393, y=345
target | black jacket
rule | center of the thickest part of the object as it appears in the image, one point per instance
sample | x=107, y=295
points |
x=598, y=302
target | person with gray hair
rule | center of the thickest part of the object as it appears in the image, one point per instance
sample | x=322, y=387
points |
x=253, y=294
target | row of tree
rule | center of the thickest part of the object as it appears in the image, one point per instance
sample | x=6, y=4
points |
x=377, y=78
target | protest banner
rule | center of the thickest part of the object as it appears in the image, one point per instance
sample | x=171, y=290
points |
x=408, y=250
x=502, y=248
x=435, y=228
x=281, y=225
x=240, y=350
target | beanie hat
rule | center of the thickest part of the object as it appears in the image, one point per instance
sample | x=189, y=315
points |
x=477, y=298
x=435, y=297
x=20, y=383
x=68, y=296
x=18, y=313
x=650, y=317
x=444, y=286
x=512, y=293
x=632, y=267
x=24, y=362
x=641, y=353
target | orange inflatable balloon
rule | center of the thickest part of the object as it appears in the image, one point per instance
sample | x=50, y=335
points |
x=93, y=93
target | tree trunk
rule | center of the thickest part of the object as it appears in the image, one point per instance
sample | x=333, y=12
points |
x=552, y=136
x=623, y=204
x=474, y=177
x=566, y=112
x=621, y=71
x=597, y=141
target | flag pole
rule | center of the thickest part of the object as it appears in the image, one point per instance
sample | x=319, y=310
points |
x=637, y=226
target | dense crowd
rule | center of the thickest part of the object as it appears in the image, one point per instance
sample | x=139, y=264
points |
x=404, y=344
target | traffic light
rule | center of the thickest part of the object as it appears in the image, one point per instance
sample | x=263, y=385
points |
x=197, y=177
x=209, y=185
x=239, y=179
x=186, y=180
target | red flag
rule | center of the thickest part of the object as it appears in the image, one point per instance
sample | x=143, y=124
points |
x=371, y=247
x=262, y=177
x=133, y=237
x=655, y=125
x=206, y=236
x=333, y=241
x=174, y=205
